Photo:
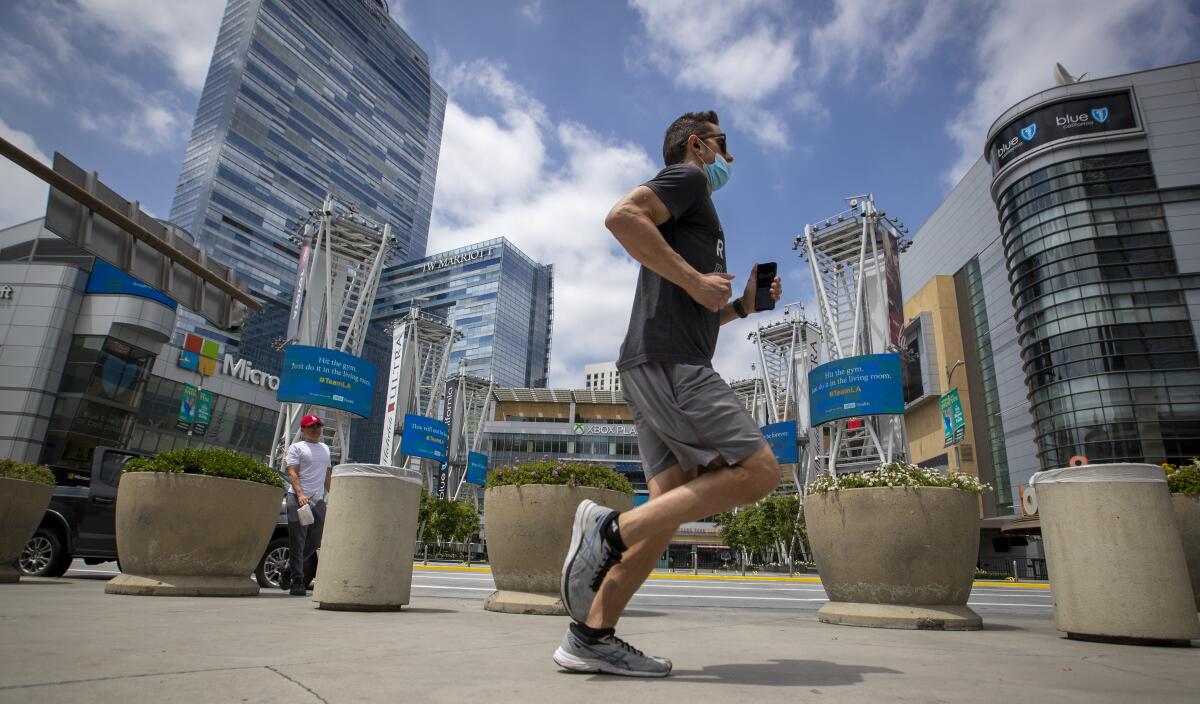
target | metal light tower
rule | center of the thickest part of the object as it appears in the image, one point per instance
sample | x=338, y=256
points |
x=421, y=345
x=753, y=395
x=473, y=403
x=341, y=257
x=854, y=261
x=787, y=350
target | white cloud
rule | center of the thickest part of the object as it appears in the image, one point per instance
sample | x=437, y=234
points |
x=495, y=178
x=149, y=124
x=20, y=68
x=183, y=33
x=532, y=11
x=24, y=196
x=1016, y=58
x=743, y=52
x=886, y=38
x=111, y=104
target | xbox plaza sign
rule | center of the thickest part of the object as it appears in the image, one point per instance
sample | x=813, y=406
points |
x=604, y=429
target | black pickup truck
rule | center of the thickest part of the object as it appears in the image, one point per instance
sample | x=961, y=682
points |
x=81, y=523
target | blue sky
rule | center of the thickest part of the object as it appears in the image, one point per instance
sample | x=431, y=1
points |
x=557, y=108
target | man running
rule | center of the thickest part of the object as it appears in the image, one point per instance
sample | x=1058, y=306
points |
x=701, y=450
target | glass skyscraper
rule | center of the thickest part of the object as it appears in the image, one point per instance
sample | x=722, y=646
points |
x=493, y=293
x=305, y=98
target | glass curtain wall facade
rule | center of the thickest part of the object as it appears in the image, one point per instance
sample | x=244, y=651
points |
x=1108, y=348
x=305, y=98
x=493, y=293
x=98, y=399
x=977, y=334
x=501, y=300
x=236, y=425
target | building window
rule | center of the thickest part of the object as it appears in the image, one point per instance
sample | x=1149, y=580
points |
x=1106, y=338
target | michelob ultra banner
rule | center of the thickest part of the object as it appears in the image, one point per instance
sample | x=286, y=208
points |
x=954, y=422
x=187, y=408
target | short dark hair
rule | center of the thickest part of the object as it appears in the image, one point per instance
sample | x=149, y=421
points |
x=683, y=127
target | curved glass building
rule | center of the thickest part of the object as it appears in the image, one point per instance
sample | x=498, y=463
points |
x=1097, y=192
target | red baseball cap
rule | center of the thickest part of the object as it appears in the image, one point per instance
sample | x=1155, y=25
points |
x=307, y=421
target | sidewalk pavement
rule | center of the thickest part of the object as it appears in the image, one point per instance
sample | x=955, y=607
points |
x=64, y=640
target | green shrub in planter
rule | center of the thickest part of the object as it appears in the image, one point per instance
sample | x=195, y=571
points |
x=1185, y=479
x=207, y=461
x=897, y=474
x=27, y=471
x=559, y=472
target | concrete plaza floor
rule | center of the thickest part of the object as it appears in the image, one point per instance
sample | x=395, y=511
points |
x=64, y=640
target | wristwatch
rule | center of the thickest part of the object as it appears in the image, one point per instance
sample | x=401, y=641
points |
x=739, y=309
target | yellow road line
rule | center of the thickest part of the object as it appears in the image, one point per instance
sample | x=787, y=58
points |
x=728, y=577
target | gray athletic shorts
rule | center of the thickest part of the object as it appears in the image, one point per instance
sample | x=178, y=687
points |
x=687, y=415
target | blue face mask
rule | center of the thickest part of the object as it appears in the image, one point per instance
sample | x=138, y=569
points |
x=719, y=172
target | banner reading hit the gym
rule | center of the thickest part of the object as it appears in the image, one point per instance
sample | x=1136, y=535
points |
x=782, y=439
x=954, y=422
x=328, y=378
x=424, y=437
x=866, y=385
x=477, y=466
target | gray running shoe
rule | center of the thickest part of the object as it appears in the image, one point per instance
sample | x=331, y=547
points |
x=588, y=560
x=611, y=655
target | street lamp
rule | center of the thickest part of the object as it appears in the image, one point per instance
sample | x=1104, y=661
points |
x=950, y=372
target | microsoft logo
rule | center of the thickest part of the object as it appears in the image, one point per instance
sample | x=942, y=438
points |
x=199, y=355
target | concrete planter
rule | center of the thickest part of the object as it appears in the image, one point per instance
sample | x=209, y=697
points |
x=1187, y=515
x=896, y=557
x=528, y=533
x=22, y=505
x=190, y=534
x=369, y=536
x=1117, y=515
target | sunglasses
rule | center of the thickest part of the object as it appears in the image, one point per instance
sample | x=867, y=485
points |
x=719, y=136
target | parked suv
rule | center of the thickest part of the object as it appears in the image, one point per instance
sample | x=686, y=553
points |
x=81, y=518
x=80, y=522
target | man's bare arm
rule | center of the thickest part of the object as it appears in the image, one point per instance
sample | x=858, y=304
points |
x=293, y=471
x=634, y=221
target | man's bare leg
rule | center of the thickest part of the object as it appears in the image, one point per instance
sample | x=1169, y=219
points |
x=648, y=528
x=625, y=577
x=710, y=493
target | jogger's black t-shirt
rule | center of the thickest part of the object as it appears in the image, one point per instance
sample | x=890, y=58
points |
x=666, y=325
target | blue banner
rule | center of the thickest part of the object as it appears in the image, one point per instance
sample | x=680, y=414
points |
x=328, y=378
x=477, y=466
x=639, y=499
x=782, y=439
x=107, y=278
x=867, y=385
x=424, y=437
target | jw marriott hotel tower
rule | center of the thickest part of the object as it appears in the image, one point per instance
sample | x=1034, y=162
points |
x=305, y=98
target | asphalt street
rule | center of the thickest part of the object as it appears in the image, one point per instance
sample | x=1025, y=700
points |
x=688, y=591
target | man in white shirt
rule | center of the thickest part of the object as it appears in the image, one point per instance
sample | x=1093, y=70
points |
x=309, y=473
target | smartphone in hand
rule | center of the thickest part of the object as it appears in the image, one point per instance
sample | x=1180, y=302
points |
x=762, y=286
